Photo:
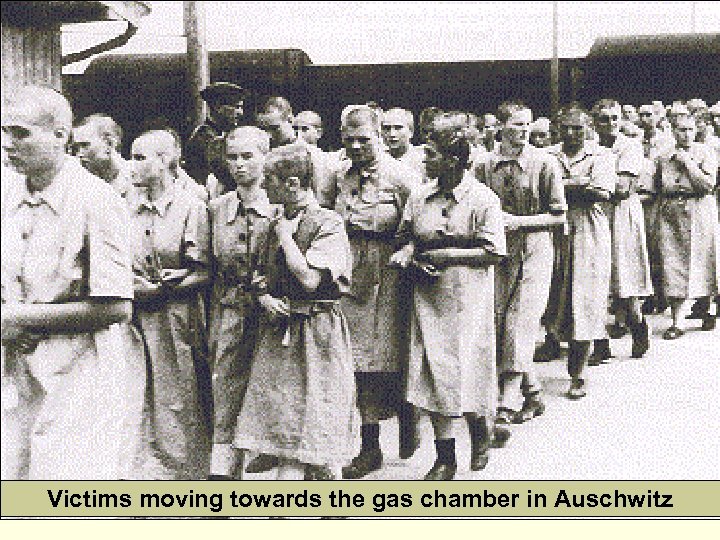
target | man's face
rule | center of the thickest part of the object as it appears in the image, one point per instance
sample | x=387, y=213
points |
x=307, y=131
x=279, y=128
x=716, y=123
x=90, y=148
x=360, y=143
x=607, y=122
x=229, y=114
x=629, y=113
x=540, y=138
x=244, y=161
x=396, y=131
x=30, y=147
x=150, y=160
x=684, y=131
x=516, y=130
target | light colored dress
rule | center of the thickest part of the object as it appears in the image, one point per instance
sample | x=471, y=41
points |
x=300, y=400
x=630, y=277
x=452, y=367
x=239, y=241
x=76, y=407
x=687, y=226
x=585, y=258
x=172, y=233
x=527, y=185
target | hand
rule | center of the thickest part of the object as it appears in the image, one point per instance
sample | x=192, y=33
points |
x=402, y=257
x=142, y=285
x=284, y=228
x=174, y=276
x=275, y=307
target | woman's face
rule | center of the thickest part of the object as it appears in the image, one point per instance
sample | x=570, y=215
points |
x=244, y=161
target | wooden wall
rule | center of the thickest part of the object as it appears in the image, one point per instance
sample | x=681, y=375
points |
x=31, y=56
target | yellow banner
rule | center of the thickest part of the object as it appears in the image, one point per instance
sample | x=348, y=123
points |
x=404, y=499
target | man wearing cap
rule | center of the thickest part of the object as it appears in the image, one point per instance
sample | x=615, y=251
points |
x=203, y=154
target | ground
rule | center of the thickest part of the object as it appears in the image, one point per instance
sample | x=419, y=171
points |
x=651, y=418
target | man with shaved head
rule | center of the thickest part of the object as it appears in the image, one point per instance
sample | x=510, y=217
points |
x=66, y=289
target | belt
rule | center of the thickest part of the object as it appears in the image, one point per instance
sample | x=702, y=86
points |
x=682, y=196
x=451, y=242
x=360, y=234
x=304, y=309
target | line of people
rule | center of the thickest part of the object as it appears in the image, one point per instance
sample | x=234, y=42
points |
x=164, y=317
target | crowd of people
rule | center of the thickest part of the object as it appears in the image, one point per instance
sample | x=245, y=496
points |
x=246, y=293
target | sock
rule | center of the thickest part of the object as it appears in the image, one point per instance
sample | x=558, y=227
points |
x=370, y=434
x=445, y=449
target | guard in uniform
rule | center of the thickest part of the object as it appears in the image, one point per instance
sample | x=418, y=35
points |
x=203, y=152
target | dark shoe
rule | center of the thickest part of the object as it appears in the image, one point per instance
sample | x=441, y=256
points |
x=318, y=472
x=262, y=463
x=504, y=416
x=501, y=435
x=641, y=339
x=441, y=471
x=548, y=351
x=364, y=463
x=577, y=390
x=601, y=352
x=478, y=461
x=617, y=331
x=409, y=447
x=708, y=323
x=673, y=333
x=531, y=408
x=219, y=477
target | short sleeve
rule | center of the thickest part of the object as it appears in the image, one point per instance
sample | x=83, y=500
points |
x=196, y=235
x=553, y=187
x=630, y=160
x=709, y=163
x=488, y=225
x=330, y=249
x=110, y=272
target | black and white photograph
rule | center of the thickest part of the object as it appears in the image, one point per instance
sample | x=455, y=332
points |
x=360, y=240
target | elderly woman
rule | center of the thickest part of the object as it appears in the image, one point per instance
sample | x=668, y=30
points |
x=300, y=401
x=240, y=227
x=687, y=222
x=169, y=231
x=452, y=235
x=582, y=301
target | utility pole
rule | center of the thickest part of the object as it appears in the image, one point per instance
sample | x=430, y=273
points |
x=197, y=56
x=555, y=64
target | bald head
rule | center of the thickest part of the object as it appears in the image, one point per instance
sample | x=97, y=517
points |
x=308, y=126
x=36, y=123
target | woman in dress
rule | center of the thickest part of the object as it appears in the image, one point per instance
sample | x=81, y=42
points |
x=584, y=271
x=169, y=232
x=240, y=226
x=300, y=401
x=452, y=233
x=687, y=222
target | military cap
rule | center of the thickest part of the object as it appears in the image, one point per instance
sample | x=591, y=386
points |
x=696, y=103
x=223, y=92
x=679, y=109
x=646, y=109
x=715, y=109
x=541, y=124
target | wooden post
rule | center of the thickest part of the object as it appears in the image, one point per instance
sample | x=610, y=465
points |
x=197, y=57
x=555, y=65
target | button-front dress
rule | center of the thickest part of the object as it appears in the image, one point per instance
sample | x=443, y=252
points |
x=452, y=367
x=172, y=233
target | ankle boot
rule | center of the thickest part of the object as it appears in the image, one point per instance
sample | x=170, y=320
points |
x=370, y=458
x=479, y=443
x=445, y=465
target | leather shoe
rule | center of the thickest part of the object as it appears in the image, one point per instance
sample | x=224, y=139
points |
x=262, y=463
x=318, y=472
x=577, y=390
x=364, y=463
x=708, y=323
x=531, y=408
x=500, y=437
x=441, y=471
x=640, y=339
x=479, y=458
